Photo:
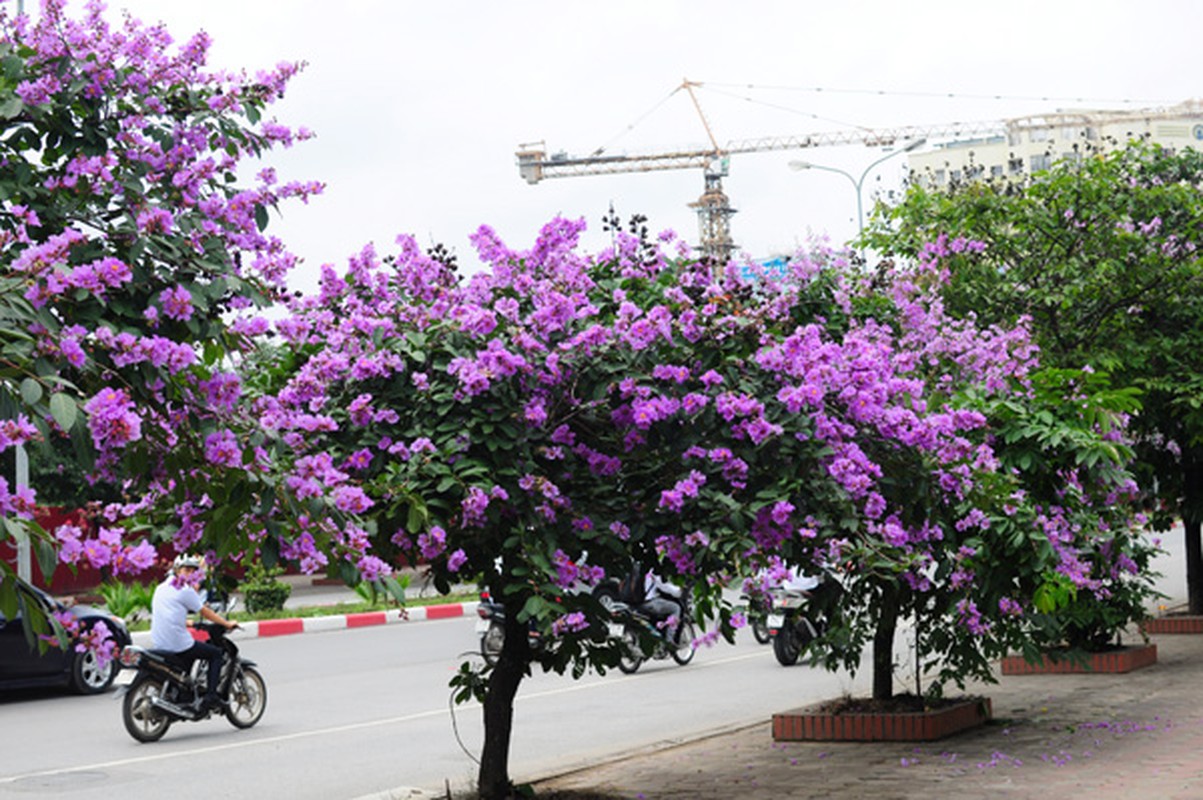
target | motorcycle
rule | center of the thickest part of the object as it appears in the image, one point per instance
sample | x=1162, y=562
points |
x=798, y=617
x=759, y=606
x=490, y=624
x=641, y=639
x=167, y=689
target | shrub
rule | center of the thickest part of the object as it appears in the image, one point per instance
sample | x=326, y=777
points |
x=127, y=600
x=262, y=591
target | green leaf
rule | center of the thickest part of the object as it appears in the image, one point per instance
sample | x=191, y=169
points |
x=64, y=410
x=261, y=218
x=31, y=391
x=8, y=596
x=11, y=107
x=16, y=531
x=47, y=557
x=416, y=518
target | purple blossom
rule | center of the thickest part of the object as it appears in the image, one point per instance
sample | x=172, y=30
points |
x=177, y=303
x=221, y=449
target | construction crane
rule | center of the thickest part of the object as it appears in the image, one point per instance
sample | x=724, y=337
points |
x=713, y=208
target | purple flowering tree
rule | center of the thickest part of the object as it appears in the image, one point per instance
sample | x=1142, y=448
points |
x=134, y=255
x=1102, y=254
x=542, y=423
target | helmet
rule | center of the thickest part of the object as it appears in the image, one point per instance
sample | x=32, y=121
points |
x=185, y=560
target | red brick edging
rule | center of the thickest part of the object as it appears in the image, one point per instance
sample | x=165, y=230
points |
x=1174, y=623
x=809, y=724
x=1117, y=661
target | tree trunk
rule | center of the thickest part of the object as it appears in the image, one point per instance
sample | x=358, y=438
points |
x=1192, y=497
x=883, y=644
x=493, y=781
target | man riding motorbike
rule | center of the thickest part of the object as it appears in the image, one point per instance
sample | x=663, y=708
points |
x=174, y=599
x=661, y=603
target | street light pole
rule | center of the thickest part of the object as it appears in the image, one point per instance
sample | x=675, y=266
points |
x=857, y=183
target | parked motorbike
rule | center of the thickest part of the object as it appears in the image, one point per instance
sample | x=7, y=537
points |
x=490, y=624
x=167, y=689
x=642, y=639
x=759, y=606
x=798, y=617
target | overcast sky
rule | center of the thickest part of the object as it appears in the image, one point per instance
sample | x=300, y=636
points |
x=419, y=106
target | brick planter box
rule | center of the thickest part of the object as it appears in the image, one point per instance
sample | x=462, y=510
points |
x=813, y=724
x=1115, y=661
x=1173, y=623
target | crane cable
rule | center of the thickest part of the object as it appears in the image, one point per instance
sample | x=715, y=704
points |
x=639, y=119
x=944, y=95
x=787, y=109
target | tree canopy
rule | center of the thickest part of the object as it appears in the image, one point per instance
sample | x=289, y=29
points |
x=1101, y=254
x=129, y=244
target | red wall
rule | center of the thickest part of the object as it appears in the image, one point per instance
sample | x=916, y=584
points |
x=63, y=580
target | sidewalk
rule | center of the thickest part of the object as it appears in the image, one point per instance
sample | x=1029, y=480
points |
x=1101, y=736
x=308, y=592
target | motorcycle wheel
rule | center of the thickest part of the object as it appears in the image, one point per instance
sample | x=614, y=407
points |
x=142, y=720
x=760, y=630
x=683, y=652
x=491, y=642
x=606, y=596
x=248, y=698
x=631, y=655
x=786, y=645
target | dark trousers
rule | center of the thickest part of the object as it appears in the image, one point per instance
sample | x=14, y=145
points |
x=660, y=609
x=212, y=655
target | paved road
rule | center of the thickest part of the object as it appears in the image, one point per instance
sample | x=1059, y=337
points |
x=360, y=711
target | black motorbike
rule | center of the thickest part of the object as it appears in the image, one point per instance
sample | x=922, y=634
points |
x=759, y=605
x=642, y=637
x=169, y=689
x=797, y=617
x=490, y=624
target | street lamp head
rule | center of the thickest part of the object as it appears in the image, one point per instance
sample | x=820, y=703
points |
x=915, y=145
x=798, y=166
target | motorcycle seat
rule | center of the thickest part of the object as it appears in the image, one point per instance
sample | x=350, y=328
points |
x=178, y=660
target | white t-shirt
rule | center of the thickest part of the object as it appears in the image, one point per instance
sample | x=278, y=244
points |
x=799, y=581
x=169, y=616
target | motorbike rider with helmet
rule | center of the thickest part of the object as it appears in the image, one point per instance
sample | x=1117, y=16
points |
x=174, y=599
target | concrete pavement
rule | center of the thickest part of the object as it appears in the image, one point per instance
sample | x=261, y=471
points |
x=1085, y=735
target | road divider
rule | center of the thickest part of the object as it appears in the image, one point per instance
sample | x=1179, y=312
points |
x=337, y=622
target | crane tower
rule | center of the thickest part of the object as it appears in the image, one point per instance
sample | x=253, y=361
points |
x=715, y=211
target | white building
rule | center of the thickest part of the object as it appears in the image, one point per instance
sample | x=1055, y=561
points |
x=1025, y=145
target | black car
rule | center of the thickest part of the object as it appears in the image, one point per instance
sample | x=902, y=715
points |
x=22, y=666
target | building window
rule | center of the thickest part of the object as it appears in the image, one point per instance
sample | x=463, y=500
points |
x=939, y=177
x=996, y=171
x=1040, y=162
x=1039, y=135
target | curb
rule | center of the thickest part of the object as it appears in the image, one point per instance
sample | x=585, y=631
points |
x=336, y=622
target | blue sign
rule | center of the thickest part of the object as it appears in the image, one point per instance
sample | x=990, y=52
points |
x=773, y=268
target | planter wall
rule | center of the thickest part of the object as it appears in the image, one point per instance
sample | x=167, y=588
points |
x=811, y=724
x=1117, y=661
x=1174, y=623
